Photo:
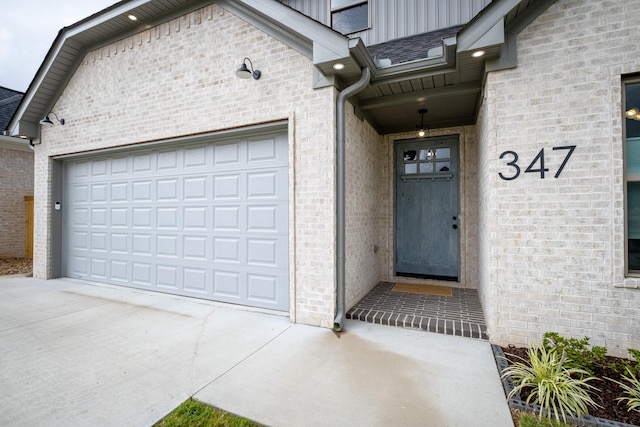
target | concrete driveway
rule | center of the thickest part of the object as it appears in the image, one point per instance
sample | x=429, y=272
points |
x=73, y=353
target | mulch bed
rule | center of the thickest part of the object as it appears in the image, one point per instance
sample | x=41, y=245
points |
x=9, y=266
x=605, y=397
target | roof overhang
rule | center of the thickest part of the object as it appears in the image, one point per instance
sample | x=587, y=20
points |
x=446, y=75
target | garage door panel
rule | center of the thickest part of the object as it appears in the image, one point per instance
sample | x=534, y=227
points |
x=263, y=150
x=143, y=163
x=119, y=243
x=166, y=190
x=167, y=276
x=262, y=218
x=195, y=280
x=226, y=249
x=195, y=218
x=119, y=192
x=227, y=154
x=119, y=271
x=226, y=187
x=195, y=188
x=196, y=248
x=195, y=157
x=226, y=218
x=142, y=274
x=142, y=191
x=226, y=285
x=168, y=160
x=208, y=220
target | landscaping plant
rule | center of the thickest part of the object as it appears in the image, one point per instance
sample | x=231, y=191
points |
x=578, y=353
x=559, y=388
x=631, y=388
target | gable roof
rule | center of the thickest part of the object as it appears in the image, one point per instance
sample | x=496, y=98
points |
x=9, y=101
x=399, y=85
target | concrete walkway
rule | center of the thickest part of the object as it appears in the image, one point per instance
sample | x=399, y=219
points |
x=73, y=353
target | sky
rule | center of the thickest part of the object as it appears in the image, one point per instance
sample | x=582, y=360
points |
x=28, y=30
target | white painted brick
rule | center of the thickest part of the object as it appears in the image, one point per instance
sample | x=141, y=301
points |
x=565, y=90
x=178, y=79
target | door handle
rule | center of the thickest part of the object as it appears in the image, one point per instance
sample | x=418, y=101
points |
x=455, y=226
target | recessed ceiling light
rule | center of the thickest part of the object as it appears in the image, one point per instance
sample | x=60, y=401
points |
x=478, y=53
x=338, y=66
x=132, y=17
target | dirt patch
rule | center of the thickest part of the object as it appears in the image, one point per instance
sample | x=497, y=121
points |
x=9, y=266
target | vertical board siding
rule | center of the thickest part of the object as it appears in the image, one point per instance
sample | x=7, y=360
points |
x=316, y=9
x=392, y=19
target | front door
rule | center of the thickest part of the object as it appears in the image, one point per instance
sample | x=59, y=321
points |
x=427, y=225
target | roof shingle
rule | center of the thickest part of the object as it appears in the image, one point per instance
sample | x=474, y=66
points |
x=413, y=47
x=9, y=101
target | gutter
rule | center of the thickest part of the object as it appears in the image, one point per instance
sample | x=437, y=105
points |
x=340, y=192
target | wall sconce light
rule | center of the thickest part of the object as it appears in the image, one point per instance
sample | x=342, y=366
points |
x=244, y=73
x=47, y=121
x=422, y=130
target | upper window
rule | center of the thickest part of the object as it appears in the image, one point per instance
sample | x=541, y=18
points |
x=349, y=16
x=632, y=172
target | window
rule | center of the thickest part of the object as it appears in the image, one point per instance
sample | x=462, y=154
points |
x=432, y=162
x=632, y=172
x=349, y=16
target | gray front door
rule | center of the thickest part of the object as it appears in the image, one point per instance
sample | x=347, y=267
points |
x=427, y=225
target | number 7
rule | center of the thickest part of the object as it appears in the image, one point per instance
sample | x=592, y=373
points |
x=566, y=159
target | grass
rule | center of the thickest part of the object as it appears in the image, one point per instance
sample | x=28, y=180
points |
x=192, y=413
x=529, y=420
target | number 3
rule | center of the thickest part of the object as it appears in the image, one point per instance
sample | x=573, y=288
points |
x=512, y=163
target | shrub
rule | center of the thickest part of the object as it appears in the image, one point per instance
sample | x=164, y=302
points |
x=578, y=353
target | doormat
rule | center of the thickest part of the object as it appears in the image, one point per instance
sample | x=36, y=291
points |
x=443, y=291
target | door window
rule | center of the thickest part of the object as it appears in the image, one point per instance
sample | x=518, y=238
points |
x=430, y=161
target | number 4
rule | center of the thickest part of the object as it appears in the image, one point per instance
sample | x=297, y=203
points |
x=541, y=169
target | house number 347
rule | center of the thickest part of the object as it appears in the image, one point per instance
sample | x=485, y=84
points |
x=537, y=165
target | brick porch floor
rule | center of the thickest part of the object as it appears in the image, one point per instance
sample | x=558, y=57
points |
x=460, y=314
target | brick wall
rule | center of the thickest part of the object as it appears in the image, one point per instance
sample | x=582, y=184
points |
x=178, y=79
x=16, y=181
x=365, y=174
x=553, y=248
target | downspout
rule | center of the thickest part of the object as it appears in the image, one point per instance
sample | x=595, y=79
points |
x=340, y=192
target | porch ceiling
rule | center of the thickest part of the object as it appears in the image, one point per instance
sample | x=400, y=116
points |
x=451, y=96
x=448, y=84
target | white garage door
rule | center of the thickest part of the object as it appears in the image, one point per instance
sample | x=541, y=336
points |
x=207, y=220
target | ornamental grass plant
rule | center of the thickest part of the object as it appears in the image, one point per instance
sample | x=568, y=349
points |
x=631, y=387
x=559, y=389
